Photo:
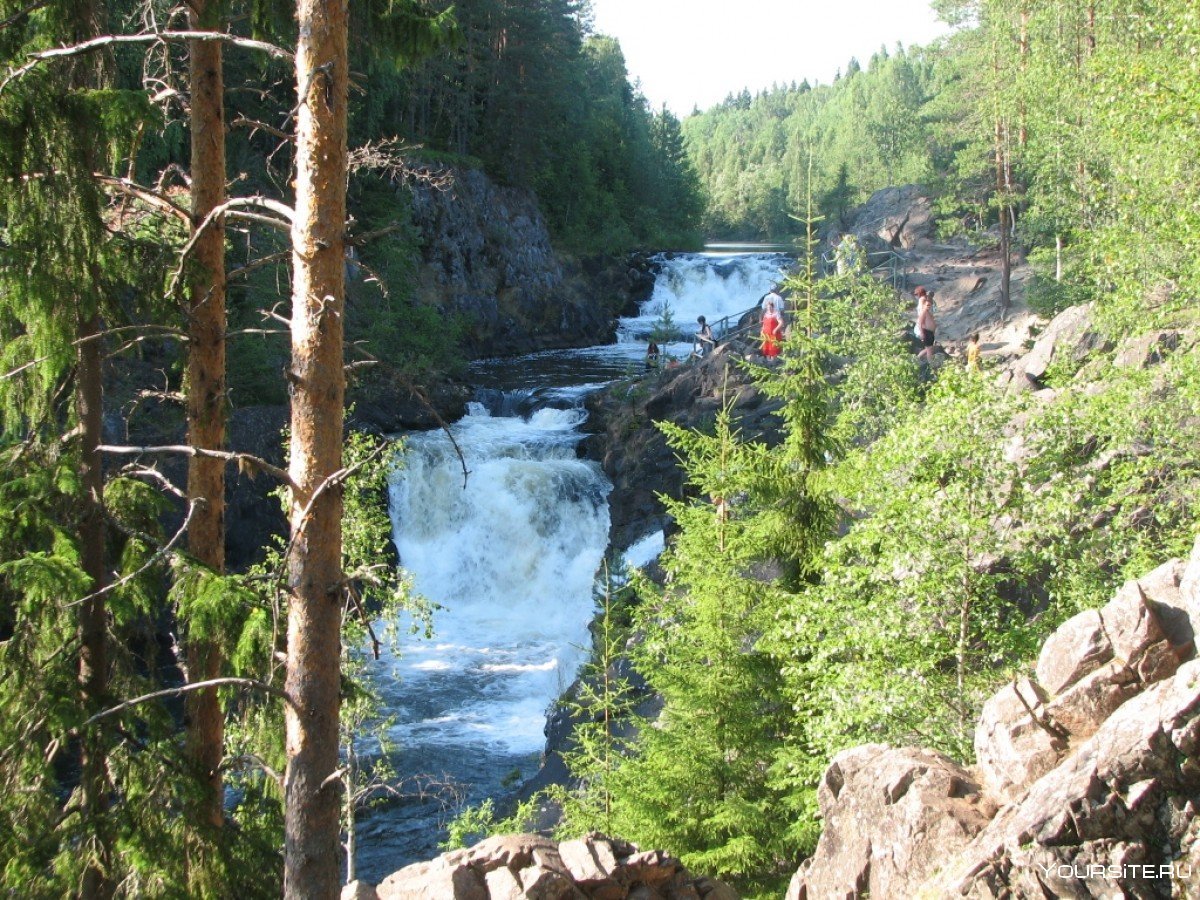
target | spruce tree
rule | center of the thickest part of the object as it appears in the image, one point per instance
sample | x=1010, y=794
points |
x=695, y=783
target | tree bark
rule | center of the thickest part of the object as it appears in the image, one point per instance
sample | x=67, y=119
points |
x=94, y=793
x=206, y=404
x=311, y=860
x=93, y=612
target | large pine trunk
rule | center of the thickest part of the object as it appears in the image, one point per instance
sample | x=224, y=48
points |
x=206, y=399
x=93, y=612
x=312, y=789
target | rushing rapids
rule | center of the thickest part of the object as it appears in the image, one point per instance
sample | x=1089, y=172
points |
x=510, y=555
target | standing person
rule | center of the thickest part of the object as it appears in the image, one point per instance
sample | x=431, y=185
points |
x=925, y=325
x=973, y=353
x=772, y=303
x=772, y=334
x=705, y=342
x=848, y=254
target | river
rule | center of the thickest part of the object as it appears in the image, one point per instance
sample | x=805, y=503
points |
x=511, y=557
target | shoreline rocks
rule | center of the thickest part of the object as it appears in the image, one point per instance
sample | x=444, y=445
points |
x=534, y=867
x=1087, y=783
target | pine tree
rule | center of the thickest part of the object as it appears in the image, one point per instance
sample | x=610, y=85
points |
x=206, y=404
x=315, y=578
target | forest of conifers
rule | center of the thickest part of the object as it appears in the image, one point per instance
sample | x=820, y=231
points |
x=170, y=175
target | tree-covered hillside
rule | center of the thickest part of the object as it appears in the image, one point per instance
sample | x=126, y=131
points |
x=545, y=103
x=759, y=156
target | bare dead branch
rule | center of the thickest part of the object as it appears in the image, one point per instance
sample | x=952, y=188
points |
x=334, y=777
x=38, y=4
x=275, y=316
x=188, y=688
x=235, y=206
x=161, y=553
x=19, y=369
x=246, y=461
x=152, y=37
x=258, y=763
x=373, y=275
x=242, y=331
x=424, y=401
x=155, y=198
x=356, y=596
x=133, y=342
x=160, y=330
x=254, y=125
x=242, y=271
x=392, y=158
x=165, y=484
x=333, y=480
x=359, y=240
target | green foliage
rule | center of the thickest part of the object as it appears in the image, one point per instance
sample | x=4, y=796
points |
x=383, y=315
x=696, y=782
x=474, y=823
x=546, y=104
x=600, y=705
x=865, y=131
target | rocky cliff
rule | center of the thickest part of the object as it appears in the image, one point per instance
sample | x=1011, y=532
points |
x=634, y=453
x=487, y=257
x=1087, y=782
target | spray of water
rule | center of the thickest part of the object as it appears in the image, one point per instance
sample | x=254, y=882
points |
x=511, y=560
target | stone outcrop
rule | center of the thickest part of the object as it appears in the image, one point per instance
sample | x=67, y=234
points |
x=895, y=218
x=519, y=866
x=889, y=814
x=1070, y=336
x=1087, y=782
x=487, y=257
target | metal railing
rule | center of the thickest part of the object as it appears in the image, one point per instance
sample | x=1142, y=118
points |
x=726, y=329
x=886, y=265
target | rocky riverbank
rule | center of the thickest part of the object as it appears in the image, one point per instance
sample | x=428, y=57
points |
x=1086, y=783
x=526, y=865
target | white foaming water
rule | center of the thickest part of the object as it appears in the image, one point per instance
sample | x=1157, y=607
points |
x=713, y=285
x=511, y=559
x=643, y=552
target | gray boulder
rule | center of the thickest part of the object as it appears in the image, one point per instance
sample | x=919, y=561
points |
x=895, y=218
x=891, y=818
x=1145, y=350
x=531, y=867
x=1070, y=335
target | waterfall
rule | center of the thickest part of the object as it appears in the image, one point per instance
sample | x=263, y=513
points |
x=713, y=285
x=511, y=557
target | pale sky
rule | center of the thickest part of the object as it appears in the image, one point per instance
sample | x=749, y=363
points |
x=695, y=52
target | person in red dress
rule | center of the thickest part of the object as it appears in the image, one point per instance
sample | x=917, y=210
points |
x=772, y=334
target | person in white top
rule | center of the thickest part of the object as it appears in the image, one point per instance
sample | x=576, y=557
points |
x=772, y=304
